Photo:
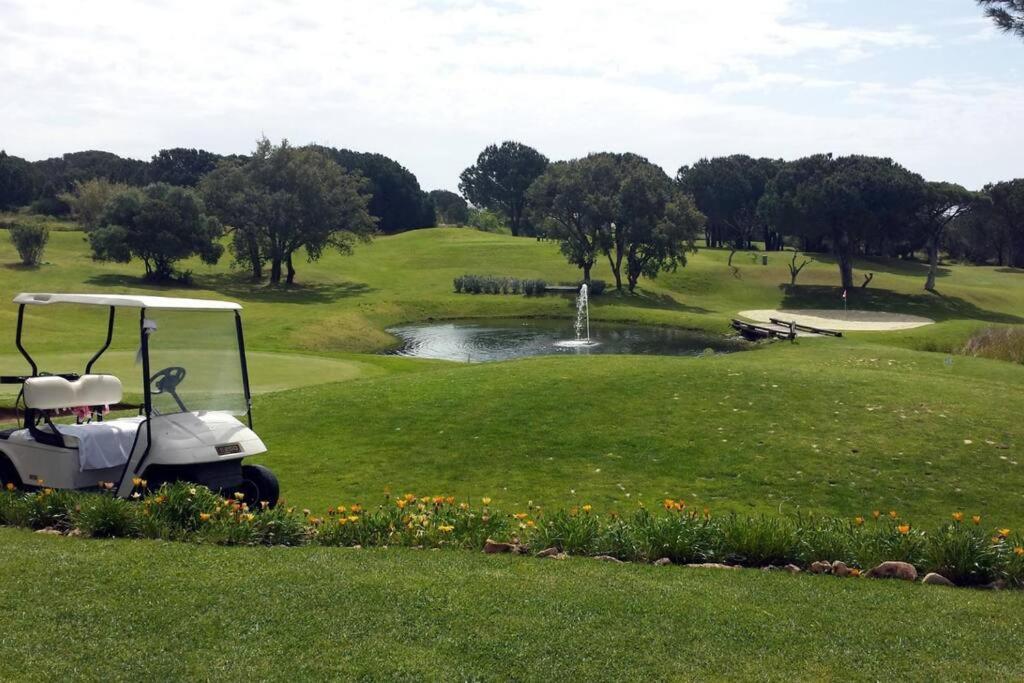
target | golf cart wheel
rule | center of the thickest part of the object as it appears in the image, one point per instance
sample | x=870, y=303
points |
x=8, y=475
x=259, y=485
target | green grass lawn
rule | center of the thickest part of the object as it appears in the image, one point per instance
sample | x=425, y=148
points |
x=870, y=421
x=112, y=610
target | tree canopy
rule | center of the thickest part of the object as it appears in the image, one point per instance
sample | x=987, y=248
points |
x=450, y=208
x=181, y=166
x=845, y=201
x=396, y=199
x=940, y=204
x=286, y=198
x=1008, y=15
x=17, y=181
x=500, y=178
x=727, y=190
x=160, y=224
x=619, y=205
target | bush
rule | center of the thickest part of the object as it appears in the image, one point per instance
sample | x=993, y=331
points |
x=1000, y=343
x=30, y=241
x=596, y=287
x=491, y=284
x=106, y=516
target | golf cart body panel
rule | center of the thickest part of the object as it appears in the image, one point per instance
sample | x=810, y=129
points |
x=187, y=427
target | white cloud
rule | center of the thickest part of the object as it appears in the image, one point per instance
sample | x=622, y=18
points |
x=430, y=83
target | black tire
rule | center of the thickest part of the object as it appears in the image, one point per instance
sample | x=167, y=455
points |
x=8, y=475
x=259, y=486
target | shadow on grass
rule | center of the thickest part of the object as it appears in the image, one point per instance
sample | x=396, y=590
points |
x=643, y=299
x=935, y=306
x=890, y=266
x=239, y=287
x=1010, y=269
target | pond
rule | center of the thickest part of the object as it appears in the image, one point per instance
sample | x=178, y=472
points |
x=475, y=341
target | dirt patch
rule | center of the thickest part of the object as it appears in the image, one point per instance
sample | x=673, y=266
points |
x=862, y=321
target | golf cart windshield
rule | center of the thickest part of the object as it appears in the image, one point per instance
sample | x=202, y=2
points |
x=194, y=362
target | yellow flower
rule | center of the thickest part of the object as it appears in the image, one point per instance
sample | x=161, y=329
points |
x=400, y=503
x=136, y=481
x=530, y=523
x=892, y=514
x=668, y=503
x=306, y=512
x=356, y=509
x=858, y=520
x=463, y=506
x=204, y=517
x=1018, y=551
x=958, y=516
x=486, y=501
x=450, y=500
x=248, y=517
x=409, y=497
x=520, y=515
x=238, y=495
x=10, y=486
x=903, y=529
x=353, y=518
x=1003, y=533
x=587, y=508
x=876, y=514
x=446, y=528
x=976, y=519
x=342, y=521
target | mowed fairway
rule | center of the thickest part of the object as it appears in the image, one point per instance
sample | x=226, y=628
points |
x=841, y=426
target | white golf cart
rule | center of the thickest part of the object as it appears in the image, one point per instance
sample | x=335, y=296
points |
x=186, y=427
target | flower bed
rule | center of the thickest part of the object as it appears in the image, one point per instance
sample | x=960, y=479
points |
x=963, y=551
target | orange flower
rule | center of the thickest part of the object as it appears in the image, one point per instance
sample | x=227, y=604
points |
x=854, y=572
x=204, y=516
x=903, y=529
x=892, y=514
x=10, y=486
x=668, y=503
x=958, y=516
x=976, y=519
x=858, y=520
x=450, y=500
x=1018, y=551
x=530, y=523
x=356, y=508
x=400, y=503
x=520, y=515
x=876, y=514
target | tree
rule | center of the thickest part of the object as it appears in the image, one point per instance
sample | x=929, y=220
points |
x=1007, y=202
x=395, y=195
x=159, y=224
x=59, y=174
x=844, y=200
x=451, y=209
x=284, y=199
x=230, y=194
x=181, y=166
x=88, y=199
x=17, y=181
x=941, y=204
x=1008, y=15
x=727, y=190
x=500, y=178
x=571, y=204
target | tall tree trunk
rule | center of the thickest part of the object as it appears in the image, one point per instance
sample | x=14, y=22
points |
x=254, y=261
x=291, y=270
x=933, y=262
x=275, y=270
x=616, y=270
x=844, y=256
x=586, y=271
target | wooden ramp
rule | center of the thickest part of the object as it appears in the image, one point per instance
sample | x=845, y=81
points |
x=806, y=328
x=754, y=331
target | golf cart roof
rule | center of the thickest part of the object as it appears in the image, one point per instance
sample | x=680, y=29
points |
x=128, y=300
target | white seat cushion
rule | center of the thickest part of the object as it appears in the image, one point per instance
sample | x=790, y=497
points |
x=100, y=444
x=51, y=393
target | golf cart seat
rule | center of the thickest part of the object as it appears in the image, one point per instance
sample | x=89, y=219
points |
x=100, y=444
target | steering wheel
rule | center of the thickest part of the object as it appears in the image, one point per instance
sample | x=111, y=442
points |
x=166, y=380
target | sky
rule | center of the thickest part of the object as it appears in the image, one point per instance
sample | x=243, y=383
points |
x=430, y=83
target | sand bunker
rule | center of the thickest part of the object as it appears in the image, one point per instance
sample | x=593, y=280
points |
x=864, y=321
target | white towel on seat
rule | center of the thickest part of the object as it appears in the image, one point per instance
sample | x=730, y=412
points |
x=103, y=444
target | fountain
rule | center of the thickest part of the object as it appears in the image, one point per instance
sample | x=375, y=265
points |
x=582, y=322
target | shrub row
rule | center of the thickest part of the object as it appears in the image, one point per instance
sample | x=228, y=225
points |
x=964, y=551
x=491, y=284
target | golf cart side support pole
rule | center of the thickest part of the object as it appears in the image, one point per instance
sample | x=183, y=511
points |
x=124, y=488
x=17, y=340
x=245, y=367
x=106, y=344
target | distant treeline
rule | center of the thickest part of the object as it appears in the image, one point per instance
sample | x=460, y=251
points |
x=397, y=200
